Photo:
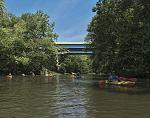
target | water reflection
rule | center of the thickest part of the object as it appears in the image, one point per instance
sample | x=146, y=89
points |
x=63, y=97
x=141, y=87
x=70, y=99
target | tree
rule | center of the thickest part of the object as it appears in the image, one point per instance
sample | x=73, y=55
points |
x=26, y=43
x=1, y=8
x=77, y=63
x=38, y=26
x=119, y=35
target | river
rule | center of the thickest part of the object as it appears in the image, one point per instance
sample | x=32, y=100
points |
x=64, y=97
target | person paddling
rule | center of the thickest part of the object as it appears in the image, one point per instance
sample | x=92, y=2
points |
x=78, y=75
x=113, y=77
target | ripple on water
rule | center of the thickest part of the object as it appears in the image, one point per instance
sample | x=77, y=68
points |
x=62, y=98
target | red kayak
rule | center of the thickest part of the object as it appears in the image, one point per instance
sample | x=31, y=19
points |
x=127, y=79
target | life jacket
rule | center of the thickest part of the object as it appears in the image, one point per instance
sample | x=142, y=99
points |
x=114, y=77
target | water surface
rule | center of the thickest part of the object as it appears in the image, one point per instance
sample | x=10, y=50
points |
x=64, y=97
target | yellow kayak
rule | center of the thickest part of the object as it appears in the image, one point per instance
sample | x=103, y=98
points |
x=123, y=83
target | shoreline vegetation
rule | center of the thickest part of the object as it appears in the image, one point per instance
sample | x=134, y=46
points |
x=27, y=46
x=119, y=35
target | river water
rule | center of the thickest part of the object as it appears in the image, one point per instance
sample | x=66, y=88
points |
x=65, y=97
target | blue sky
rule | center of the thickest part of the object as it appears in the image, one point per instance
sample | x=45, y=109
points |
x=71, y=17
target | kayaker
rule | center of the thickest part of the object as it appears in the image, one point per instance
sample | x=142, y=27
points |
x=113, y=77
x=9, y=76
x=78, y=75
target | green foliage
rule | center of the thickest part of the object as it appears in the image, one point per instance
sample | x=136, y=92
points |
x=119, y=34
x=26, y=42
x=76, y=63
x=38, y=26
x=1, y=8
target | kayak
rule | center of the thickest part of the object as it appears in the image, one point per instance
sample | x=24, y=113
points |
x=127, y=79
x=122, y=83
x=117, y=83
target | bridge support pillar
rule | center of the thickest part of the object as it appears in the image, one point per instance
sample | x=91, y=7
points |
x=57, y=62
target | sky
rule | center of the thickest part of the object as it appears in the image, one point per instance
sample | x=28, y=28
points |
x=71, y=17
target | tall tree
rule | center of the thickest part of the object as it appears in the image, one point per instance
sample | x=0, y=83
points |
x=119, y=33
x=1, y=8
x=26, y=43
x=38, y=26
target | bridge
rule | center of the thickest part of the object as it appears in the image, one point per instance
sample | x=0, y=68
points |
x=75, y=48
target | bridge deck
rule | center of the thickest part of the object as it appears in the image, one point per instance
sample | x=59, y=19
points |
x=75, y=48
